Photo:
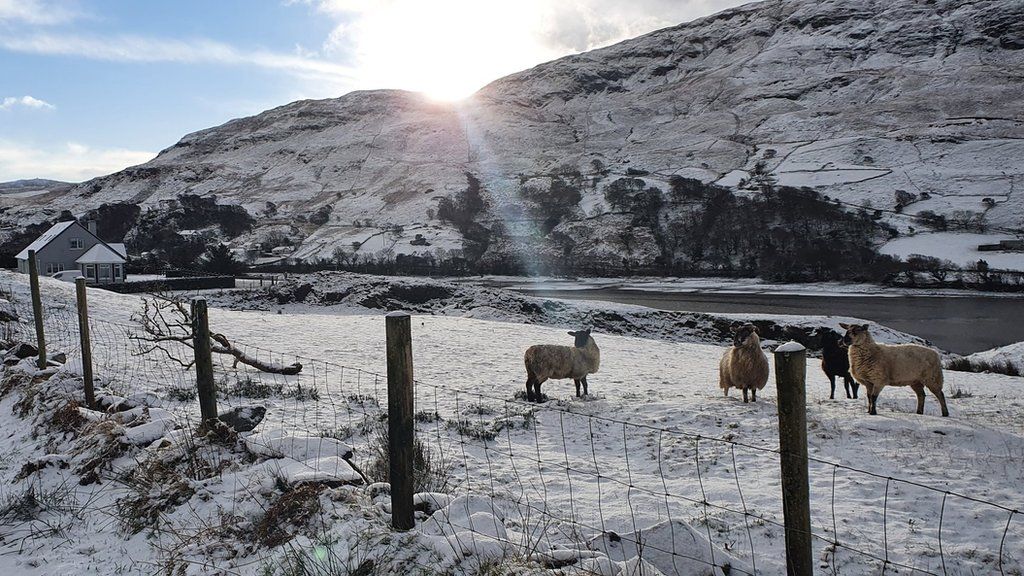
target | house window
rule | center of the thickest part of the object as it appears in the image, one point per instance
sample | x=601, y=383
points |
x=118, y=274
x=53, y=268
x=104, y=271
x=90, y=271
x=76, y=244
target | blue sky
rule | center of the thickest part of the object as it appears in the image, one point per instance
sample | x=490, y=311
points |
x=88, y=87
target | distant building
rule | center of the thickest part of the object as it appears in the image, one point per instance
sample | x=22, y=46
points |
x=1003, y=246
x=71, y=246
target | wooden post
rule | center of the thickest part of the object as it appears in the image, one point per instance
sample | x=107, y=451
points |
x=204, y=360
x=400, y=418
x=790, y=376
x=37, y=307
x=83, y=336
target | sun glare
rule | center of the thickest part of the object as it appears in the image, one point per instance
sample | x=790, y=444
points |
x=448, y=49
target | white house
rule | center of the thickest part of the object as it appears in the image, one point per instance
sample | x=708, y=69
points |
x=71, y=246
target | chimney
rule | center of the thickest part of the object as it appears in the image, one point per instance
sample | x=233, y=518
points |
x=92, y=226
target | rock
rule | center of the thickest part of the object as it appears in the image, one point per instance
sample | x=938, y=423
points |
x=7, y=311
x=243, y=418
x=59, y=357
x=23, y=350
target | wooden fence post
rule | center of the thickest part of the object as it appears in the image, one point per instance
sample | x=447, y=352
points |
x=790, y=376
x=37, y=307
x=400, y=418
x=83, y=336
x=204, y=360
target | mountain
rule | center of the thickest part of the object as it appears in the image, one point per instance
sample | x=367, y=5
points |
x=904, y=110
x=34, y=187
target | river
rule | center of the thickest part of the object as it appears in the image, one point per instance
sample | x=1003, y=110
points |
x=961, y=324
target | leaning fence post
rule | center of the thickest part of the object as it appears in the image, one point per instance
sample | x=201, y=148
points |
x=790, y=376
x=83, y=335
x=400, y=423
x=37, y=307
x=204, y=360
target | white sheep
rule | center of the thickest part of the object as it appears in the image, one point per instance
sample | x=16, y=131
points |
x=545, y=361
x=744, y=365
x=876, y=366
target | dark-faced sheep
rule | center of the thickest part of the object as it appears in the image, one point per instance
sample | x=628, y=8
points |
x=547, y=361
x=835, y=362
x=876, y=366
x=744, y=365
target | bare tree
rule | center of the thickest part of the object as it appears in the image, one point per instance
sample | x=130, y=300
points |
x=167, y=322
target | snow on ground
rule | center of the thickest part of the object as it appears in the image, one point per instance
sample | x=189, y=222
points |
x=1012, y=354
x=960, y=248
x=654, y=442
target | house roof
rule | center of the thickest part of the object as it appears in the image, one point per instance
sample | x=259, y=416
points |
x=100, y=254
x=58, y=228
x=45, y=238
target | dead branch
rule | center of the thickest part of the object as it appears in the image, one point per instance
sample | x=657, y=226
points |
x=225, y=347
x=166, y=323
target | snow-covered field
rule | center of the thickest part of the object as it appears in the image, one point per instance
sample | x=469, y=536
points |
x=655, y=449
x=957, y=247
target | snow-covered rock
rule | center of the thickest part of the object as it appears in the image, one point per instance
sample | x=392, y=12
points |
x=279, y=443
x=8, y=313
x=243, y=418
x=674, y=548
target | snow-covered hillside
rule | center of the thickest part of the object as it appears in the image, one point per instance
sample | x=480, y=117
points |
x=857, y=98
x=573, y=459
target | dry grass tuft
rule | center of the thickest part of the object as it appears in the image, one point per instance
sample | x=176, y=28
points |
x=293, y=509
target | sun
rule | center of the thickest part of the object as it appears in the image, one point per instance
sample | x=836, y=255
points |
x=447, y=49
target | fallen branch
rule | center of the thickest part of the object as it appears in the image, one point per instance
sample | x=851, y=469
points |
x=167, y=323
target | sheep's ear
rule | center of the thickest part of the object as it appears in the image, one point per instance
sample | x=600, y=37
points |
x=587, y=331
x=572, y=333
x=864, y=327
x=755, y=330
x=844, y=326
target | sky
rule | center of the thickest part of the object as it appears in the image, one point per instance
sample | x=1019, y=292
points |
x=89, y=87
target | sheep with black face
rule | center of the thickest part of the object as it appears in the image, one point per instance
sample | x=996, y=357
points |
x=547, y=361
x=744, y=365
x=835, y=363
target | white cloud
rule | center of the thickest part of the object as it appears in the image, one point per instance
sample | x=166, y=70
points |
x=129, y=48
x=38, y=12
x=71, y=162
x=452, y=47
x=25, y=101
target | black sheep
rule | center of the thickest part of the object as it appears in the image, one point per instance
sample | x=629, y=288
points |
x=836, y=362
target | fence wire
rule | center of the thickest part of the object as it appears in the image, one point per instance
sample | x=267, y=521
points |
x=558, y=486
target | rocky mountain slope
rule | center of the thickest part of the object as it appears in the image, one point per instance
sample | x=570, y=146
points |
x=859, y=99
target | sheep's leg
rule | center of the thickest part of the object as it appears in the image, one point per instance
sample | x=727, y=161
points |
x=942, y=400
x=873, y=404
x=850, y=383
x=577, y=388
x=745, y=396
x=586, y=391
x=918, y=389
x=753, y=394
x=531, y=380
x=536, y=388
x=871, y=397
x=832, y=380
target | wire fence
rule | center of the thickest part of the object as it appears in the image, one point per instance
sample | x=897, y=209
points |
x=554, y=485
